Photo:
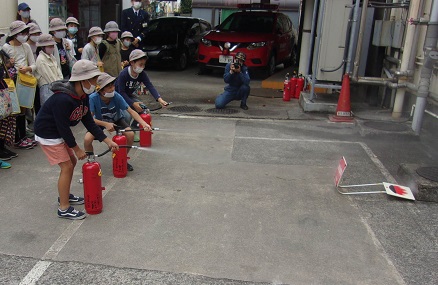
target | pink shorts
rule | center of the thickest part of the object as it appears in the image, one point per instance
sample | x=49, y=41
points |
x=57, y=153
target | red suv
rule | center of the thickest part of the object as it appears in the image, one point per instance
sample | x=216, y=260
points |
x=268, y=38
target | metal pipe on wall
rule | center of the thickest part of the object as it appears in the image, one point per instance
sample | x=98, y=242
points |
x=430, y=57
x=306, y=39
x=407, y=49
x=360, y=38
x=352, y=36
x=316, y=52
x=411, y=64
x=312, y=36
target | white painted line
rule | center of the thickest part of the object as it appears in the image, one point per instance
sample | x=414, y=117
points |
x=378, y=163
x=37, y=271
x=41, y=266
x=63, y=239
x=293, y=140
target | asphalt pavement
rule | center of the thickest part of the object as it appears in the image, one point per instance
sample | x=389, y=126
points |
x=229, y=197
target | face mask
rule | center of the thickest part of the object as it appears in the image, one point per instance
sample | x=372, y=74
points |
x=90, y=90
x=127, y=43
x=97, y=40
x=35, y=39
x=22, y=39
x=59, y=34
x=109, y=95
x=49, y=50
x=137, y=5
x=138, y=70
x=73, y=30
x=113, y=35
x=25, y=14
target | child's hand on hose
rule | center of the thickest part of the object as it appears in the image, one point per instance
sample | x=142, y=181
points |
x=146, y=127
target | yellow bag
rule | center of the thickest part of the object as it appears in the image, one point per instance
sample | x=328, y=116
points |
x=26, y=87
x=27, y=80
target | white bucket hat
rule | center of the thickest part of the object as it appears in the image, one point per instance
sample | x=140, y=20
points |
x=17, y=27
x=104, y=79
x=83, y=70
x=111, y=26
x=56, y=24
x=137, y=54
x=72, y=20
x=126, y=35
x=45, y=40
x=95, y=31
x=33, y=28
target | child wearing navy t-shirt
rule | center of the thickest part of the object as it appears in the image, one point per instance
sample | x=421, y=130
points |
x=130, y=80
x=66, y=108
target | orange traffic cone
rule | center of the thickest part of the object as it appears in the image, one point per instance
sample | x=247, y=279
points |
x=343, y=109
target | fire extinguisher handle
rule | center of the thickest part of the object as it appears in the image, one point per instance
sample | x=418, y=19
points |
x=143, y=106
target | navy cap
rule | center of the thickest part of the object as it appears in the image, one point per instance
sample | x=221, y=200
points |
x=23, y=6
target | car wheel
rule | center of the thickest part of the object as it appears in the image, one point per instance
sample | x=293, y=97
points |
x=292, y=60
x=270, y=68
x=182, y=62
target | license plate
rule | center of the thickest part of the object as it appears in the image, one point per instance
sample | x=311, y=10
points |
x=225, y=58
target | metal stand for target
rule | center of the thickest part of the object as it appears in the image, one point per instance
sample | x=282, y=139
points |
x=390, y=188
x=360, y=192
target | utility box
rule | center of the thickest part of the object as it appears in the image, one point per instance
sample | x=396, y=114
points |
x=333, y=34
x=388, y=33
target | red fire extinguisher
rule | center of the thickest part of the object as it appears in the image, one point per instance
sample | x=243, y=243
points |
x=92, y=179
x=286, y=88
x=146, y=137
x=293, y=85
x=300, y=86
x=120, y=157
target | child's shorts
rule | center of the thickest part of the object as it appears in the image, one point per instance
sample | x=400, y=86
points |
x=57, y=153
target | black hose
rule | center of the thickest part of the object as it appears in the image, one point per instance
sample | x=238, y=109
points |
x=89, y=153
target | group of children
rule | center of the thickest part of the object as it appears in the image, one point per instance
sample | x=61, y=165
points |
x=68, y=75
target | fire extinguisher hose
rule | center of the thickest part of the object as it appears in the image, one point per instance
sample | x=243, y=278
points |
x=118, y=129
x=144, y=107
x=108, y=150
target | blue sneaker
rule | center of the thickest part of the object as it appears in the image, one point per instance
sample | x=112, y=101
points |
x=4, y=165
x=71, y=214
x=74, y=200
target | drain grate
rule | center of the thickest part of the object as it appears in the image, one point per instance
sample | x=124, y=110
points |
x=430, y=173
x=222, y=111
x=386, y=126
x=185, y=109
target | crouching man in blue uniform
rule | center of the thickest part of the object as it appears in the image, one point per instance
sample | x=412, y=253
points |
x=237, y=77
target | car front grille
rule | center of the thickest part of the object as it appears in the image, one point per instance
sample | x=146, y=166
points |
x=234, y=45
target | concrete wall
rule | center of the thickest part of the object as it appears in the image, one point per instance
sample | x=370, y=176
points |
x=9, y=12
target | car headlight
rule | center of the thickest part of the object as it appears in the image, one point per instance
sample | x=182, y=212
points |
x=256, y=45
x=206, y=42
